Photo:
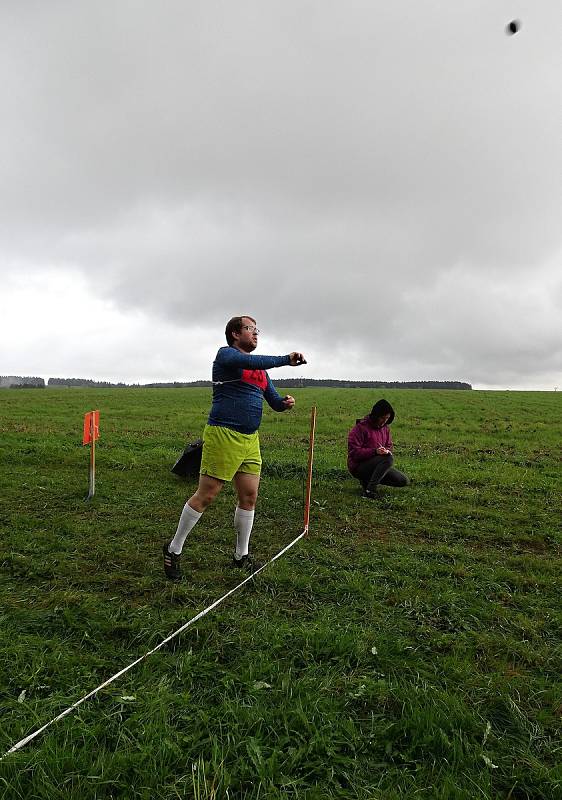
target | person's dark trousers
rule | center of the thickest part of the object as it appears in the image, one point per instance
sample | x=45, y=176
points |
x=379, y=469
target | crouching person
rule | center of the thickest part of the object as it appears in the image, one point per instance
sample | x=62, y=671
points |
x=369, y=451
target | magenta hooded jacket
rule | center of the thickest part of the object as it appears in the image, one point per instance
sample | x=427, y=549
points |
x=363, y=440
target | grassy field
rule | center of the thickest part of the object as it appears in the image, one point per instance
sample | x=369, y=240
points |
x=409, y=647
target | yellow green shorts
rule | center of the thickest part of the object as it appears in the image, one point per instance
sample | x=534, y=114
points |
x=226, y=452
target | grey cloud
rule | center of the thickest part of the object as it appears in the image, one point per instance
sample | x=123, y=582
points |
x=379, y=166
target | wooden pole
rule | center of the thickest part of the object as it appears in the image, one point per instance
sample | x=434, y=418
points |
x=92, y=487
x=309, y=475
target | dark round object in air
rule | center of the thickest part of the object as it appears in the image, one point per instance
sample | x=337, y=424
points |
x=512, y=27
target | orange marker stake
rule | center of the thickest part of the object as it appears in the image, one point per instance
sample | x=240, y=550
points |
x=309, y=476
x=90, y=434
x=92, y=475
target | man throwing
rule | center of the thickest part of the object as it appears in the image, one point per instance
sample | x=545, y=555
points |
x=231, y=448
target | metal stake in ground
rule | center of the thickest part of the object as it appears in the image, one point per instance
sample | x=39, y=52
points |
x=90, y=434
x=309, y=474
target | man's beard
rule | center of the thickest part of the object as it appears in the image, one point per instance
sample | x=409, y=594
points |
x=248, y=347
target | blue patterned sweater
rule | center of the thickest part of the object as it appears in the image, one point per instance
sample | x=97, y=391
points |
x=240, y=385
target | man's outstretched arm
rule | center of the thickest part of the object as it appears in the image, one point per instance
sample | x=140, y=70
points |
x=231, y=357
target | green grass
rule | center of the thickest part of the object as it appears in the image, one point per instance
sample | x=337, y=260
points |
x=409, y=647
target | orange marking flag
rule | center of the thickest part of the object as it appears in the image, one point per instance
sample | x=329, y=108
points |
x=91, y=423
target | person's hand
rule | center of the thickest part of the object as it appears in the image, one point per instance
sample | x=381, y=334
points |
x=297, y=359
x=382, y=451
x=288, y=401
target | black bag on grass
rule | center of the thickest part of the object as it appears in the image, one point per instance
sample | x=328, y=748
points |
x=189, y=463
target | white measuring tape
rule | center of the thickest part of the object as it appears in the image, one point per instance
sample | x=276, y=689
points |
x=27, y=739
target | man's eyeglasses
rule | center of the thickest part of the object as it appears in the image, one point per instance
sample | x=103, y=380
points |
x=251, y=328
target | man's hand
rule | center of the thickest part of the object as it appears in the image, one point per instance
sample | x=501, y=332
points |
x=382, y=451
x=297, y=359
x=288, y=401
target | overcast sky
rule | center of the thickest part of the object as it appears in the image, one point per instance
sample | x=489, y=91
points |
x=378, y=184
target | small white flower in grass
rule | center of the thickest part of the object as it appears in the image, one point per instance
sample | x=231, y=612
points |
x=488, y=762
x=374, y=651
x=261, y=685
x=128, y=698
x=21, y=696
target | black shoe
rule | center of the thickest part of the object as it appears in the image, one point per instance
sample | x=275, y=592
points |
x=247, y=563
x=368, y=494
x=171, y=564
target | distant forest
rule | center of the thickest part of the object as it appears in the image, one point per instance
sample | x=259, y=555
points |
x=300, y=383
x=21, y=382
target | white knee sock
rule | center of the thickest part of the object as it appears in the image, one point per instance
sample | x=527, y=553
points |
x=243, y=521
x=189, y=517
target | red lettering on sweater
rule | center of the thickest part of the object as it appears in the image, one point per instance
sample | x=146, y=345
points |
x=256, y=377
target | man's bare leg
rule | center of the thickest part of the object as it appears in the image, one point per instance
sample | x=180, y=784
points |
x=246, y=486
x=206, y=492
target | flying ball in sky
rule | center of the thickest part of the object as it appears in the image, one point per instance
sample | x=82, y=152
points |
x=512, y=27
